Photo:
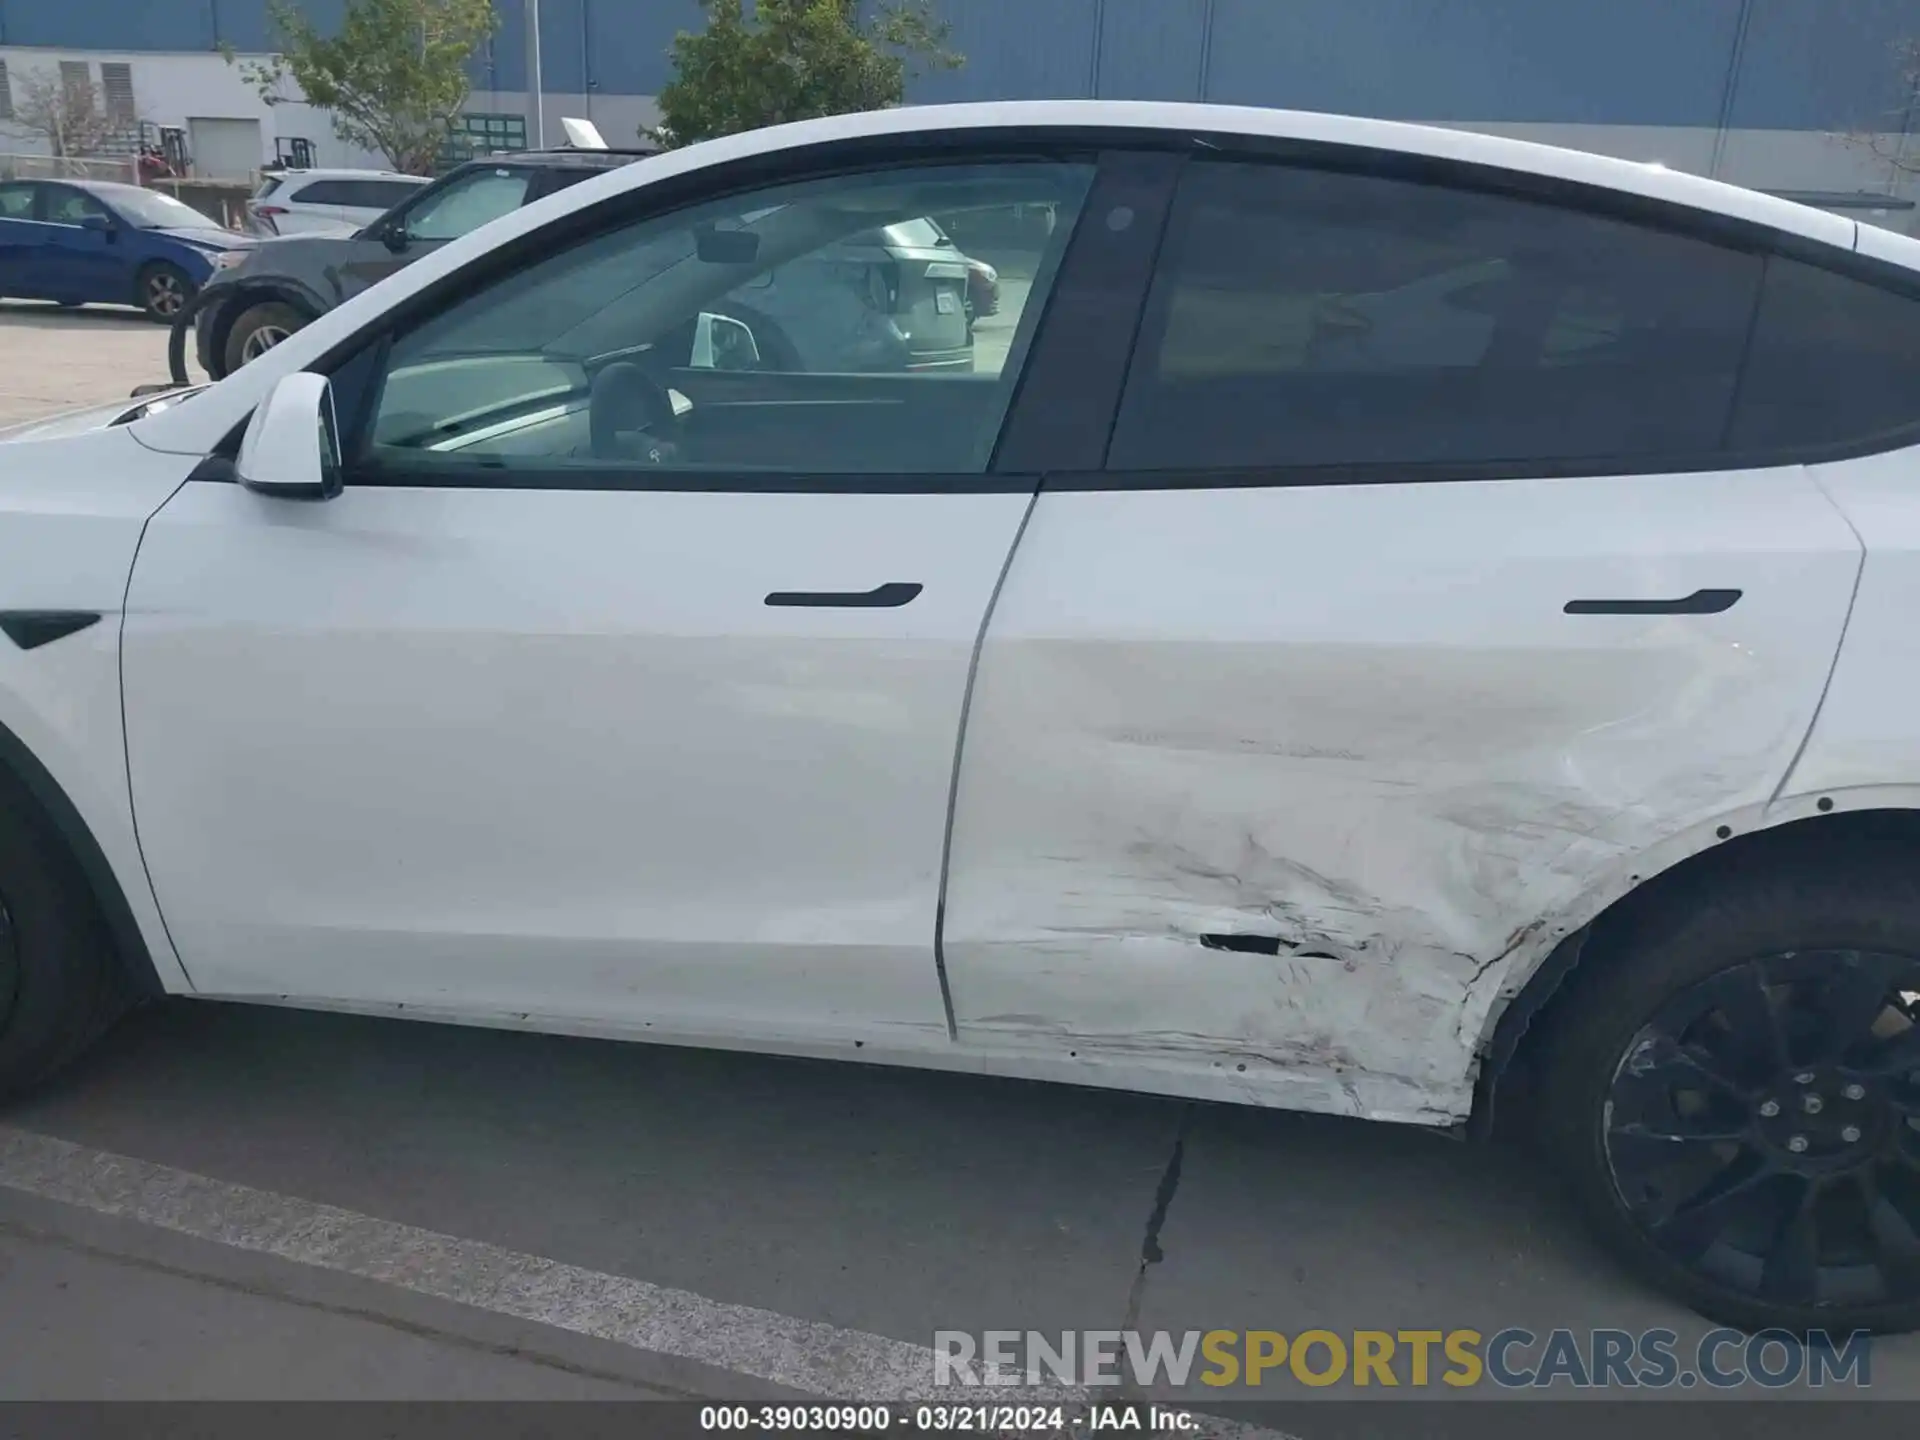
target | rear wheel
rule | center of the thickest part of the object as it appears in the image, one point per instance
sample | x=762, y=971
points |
x=60, y=986
x=163, y=290
x=1733, y=1088
x=257, y=330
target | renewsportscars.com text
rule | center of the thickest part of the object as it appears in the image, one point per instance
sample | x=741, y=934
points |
x=1512, y=1358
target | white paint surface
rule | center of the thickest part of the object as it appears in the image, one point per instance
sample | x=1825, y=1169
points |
x=1357, y=719
x=71, y=512
x=1864, y=751
x=550, y=751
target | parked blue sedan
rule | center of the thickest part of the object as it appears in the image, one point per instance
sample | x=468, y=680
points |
x=82, y=241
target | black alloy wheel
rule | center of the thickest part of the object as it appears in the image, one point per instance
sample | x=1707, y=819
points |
x=1762, y=1130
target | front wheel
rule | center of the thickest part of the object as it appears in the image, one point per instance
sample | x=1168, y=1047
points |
x=1733, y=1087
x=257, y=330
x=60, y=986
x=162, y=291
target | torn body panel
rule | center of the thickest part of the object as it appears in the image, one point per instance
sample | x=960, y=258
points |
x=1357, y=723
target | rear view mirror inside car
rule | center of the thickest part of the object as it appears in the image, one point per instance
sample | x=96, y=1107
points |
x=727, y=247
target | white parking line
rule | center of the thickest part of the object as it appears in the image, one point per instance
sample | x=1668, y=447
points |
x=801, y=1354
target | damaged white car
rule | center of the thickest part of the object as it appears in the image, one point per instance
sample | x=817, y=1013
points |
x=1383, y=612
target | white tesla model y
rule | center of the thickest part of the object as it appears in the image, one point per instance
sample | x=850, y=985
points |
x=1378, y=613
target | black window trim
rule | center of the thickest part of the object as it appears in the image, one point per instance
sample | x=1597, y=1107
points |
x=304, y=195
x=1726, y=231
x=862, y=156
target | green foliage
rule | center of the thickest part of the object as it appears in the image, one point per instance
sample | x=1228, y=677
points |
x=794, y=60
x=394, y=76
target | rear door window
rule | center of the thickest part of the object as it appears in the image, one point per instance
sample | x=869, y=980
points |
x=1835, y=361
x=320, y=192
x=67, y=206
x=376, y=194
x=1309, y=318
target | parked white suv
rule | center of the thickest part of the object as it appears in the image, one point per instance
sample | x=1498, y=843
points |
x=298, y=202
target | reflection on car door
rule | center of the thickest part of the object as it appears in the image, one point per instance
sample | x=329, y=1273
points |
x=1362, y=658
x=545, y=716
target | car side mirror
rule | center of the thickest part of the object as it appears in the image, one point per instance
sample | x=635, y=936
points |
x=96, y=222
x=292, y=446
x=394, y=237
x=722, y=343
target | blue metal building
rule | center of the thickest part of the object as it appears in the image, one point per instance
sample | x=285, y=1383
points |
x=1751, y=89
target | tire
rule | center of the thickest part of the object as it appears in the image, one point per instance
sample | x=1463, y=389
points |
x=257, y=329
x=1690, y=1017
x=60, y=985
x=162, y=291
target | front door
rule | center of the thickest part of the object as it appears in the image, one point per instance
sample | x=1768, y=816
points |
x=1428, y=585
x=82, y=253
x=441, y=213
x=20, y=237
x=584, y=700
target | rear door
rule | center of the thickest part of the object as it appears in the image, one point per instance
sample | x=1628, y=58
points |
x=1415, y=599
x=312, y=205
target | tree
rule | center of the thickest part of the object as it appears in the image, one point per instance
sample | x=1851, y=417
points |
x=66, y=110
x=793, y=60
x=394, y=76
x=1890, y=138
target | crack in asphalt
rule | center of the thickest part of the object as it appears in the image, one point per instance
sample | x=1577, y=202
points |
x=1151, y=1253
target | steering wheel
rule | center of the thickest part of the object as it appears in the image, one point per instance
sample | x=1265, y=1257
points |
x=630, y=416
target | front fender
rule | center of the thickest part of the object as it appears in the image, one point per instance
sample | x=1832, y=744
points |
x=72, y=510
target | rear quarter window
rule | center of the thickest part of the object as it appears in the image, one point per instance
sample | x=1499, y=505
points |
x=320, y=192
x=1835, y=361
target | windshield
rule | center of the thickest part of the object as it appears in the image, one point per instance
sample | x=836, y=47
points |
x=152, y=210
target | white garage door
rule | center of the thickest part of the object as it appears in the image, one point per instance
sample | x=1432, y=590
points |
x=224, y=149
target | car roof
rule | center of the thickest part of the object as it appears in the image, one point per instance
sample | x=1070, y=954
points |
x=188, y=424
x=344, y=172
x=1652, y=181
x=587, y=159
x=104, y=189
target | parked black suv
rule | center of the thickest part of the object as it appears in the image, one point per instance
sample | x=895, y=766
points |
x=261, y=295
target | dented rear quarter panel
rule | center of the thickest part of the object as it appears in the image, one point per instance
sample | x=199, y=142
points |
x=1357, y=722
